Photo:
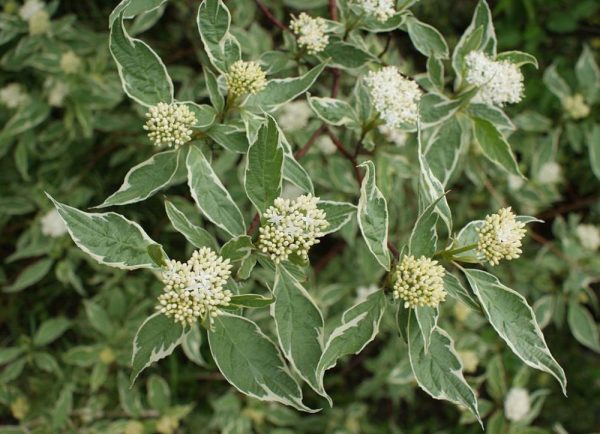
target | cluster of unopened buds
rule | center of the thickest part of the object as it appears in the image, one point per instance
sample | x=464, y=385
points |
x=169, y=124
x=291, y=227
x=245, y=78
x=500, y=237
x=419, y=282
x=195, y=289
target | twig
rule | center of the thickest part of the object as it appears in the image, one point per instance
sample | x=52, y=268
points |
x=387, y=45
x=265, y=10
x=352, y=159
x=333, y=10
x=578, y=204
x=254, y=224
x=311, y=141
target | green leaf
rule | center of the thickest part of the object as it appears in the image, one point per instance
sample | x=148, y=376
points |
x=205, y=115
x=196, y=236
x=426, y=39
x=430, y=187
x=296, y=174
x=264, y=165
x=494, y=146
x=98, y=318
x=588, y=74
x=359, y=326
x=518, y=58
x=191, y=345
x=251, y=300
x=145, y=179
x=30, y=275
x=26, y=118
x=251, y=362
x=337, y=214
x=156, y=339
x=583, y=326
x=445, y=145
x=212, y=86
x=8, y=354
x=373, y=217
x=213, y=22
x=159, y=394
x=496, y=378
x=229, y=137
x=211, y=196
x=455, y=289
x=333, y=111
x=436, y=108
x=514, y=320
x=129, y=396
x=593, y=142
x=345, y=55
x=50, y=330
x=237, y=249
x=492, y=114
x=478, y=36
x=556, y=84
x=143, y=75
x=299, y=326
x=109, y=238
x=438, y=370
x=158, y=255
x=427, y=318
x=282, y=90
x=435, y=72
x=62, y=408
x=423, y=238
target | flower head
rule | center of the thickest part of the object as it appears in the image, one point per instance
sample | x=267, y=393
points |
x=292, y=227
x=419, y=282
x=311, y=32
x=500, y=236
x=499, y=82
x=517, y=404
x=30, y=8
x=550, y=173
x=39, y=23
x=395, y=97
x=589, y=236
x=575, y=106
x=194, y=289
x=295, y=115
x=70, y=62
x=53, y=225
x=245, y=77
x=382, y=10
x=12, y=95
x=169, y=124
x=58, y=90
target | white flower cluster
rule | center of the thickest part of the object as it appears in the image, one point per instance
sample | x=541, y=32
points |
x=550, y=173
x=194, y=289
x=295, y=115
x=499, y=82
x=517, y=404
x=293, y=227
x=30, y=8
x=53, y=225
x=589, y=236
x=393, y=135
x=382, y=10
x=395, y=97
x=70, y=62
x=245, y=77
x=500, y=236
x=58, y=90
x=311, y=32
x=419, y=282
x=13, y=96
x=169, y=124
x=576, y=107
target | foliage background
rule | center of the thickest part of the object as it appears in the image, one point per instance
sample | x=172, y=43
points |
x=68, y=377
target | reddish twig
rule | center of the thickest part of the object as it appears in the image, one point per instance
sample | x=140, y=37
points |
x=311, y=141
x=333, y=10
x=351, y=158
x=265, y=10
x=254, y=224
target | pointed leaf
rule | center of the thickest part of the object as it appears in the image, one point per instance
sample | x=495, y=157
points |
x=156, y=339
x=213, y=22
x=337, y=214
x=373, y=217
x=211, y=196
x=495, y=147
x=109, y=238
x=197, y=236
x=515, y=322
x=251, y=362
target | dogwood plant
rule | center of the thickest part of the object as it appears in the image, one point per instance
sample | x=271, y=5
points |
x=263, y=222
